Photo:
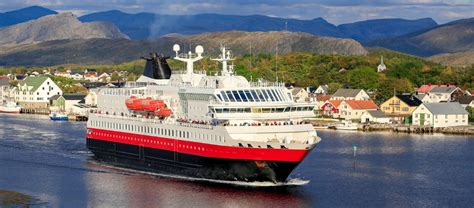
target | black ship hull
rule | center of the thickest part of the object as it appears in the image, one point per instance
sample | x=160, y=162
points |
x=169, y=162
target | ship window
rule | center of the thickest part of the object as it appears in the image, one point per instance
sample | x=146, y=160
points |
x=249, y=96
x=233, y=110
x=274, y=95
x=218, y=110
x=293, y=109
x=271, y=95
x=260, y=95
x=226, y=110
x=247, y=110
x=219, y=97
x=265, y=95
x=231, y=96
x=242, y=95
x=236, y=96
x=277, y=95
x=254, y=95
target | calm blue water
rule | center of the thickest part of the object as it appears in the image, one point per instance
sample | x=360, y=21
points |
x=49, y=161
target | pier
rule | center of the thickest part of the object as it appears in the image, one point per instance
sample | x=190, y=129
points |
x=467, y=130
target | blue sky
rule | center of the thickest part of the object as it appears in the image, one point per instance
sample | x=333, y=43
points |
x=335, y=11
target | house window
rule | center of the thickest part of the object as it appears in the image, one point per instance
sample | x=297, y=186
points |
x=405, y=109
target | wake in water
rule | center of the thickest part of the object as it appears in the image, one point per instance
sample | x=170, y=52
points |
x=288, y=183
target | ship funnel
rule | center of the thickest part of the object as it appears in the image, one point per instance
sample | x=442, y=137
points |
x=156, y=66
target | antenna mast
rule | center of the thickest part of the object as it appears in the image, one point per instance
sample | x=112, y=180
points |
x=224, y=57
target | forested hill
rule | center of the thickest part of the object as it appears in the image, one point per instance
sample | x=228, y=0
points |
x=303, y=69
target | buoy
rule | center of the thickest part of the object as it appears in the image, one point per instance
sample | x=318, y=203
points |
x=354, y=148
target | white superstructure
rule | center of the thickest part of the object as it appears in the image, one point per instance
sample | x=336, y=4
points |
x=224, y=109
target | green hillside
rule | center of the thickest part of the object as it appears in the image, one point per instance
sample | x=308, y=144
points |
x=302, y=69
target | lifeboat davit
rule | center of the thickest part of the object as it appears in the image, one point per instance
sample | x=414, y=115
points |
x=163, y=112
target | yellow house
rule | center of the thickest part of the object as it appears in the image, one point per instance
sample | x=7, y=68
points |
x=400, y=105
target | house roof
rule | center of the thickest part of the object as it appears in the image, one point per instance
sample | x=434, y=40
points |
x=323, y=97
x=410, y=100
x=4, y=81
x=445, y=108
x=335, y=103
x=421, y=96
x=324, y=87
x=465, y=99
x=35, y=82
x=54, y=97
x=428, y=87
x=449, y=89
x=90, y=85
x=361, y=104
x=74, y=96
x=376, y=113
x=295, y=90
x=346, y=92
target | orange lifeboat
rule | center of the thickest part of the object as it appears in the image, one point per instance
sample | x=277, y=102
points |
x=163, y=112
x=134, y=103
x=153, y=105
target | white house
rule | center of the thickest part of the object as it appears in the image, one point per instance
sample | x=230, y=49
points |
x=72, y=99
x=353, y=109
x=350, y=94
x=425, y=98
x=322, y=89
x=440, y=115
x=104, y=77
x=91, y=98
x=299, y=94
x=445, y=94
x=92, y=77
x=76, y=76
x=375, y=116
x=35, y=92
x=4, y=87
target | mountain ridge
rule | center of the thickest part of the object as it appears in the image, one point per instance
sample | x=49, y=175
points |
x=107, y=51
x=56, y=27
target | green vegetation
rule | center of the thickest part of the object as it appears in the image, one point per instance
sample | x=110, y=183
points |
x=404, y=72
x=471, y=113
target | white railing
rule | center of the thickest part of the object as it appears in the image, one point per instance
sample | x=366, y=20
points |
x=267, y=84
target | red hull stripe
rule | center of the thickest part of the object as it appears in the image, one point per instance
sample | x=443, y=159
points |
x=199, y=149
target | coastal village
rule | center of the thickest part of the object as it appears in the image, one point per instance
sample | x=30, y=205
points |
x=430, y=108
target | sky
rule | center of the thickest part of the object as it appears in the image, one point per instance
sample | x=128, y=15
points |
x=334, y=11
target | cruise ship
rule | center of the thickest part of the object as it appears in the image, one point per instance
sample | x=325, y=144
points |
x=189, y=123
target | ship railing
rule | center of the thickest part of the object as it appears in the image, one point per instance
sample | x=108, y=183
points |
x=267, y=84
x=195, y=125
x=270, y=123
x=183, y=71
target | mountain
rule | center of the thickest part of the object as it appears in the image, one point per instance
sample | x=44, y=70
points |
x=108, y=51
x=460, y=59
x=23, y=15
x=56, y=27
x=453, y=37
x=149, y=25
x=370, y=30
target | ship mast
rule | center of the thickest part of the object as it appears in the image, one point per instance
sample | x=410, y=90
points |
x=224, y=57
x=188, y=58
